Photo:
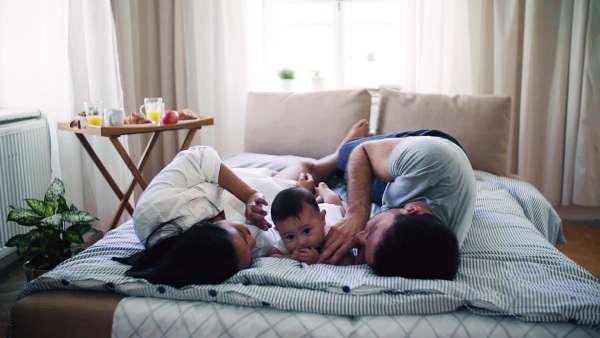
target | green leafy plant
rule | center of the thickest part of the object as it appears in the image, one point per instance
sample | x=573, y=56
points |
x=49, y=242
x=286, y=74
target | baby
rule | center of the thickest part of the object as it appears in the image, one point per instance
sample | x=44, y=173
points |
x=303, y=219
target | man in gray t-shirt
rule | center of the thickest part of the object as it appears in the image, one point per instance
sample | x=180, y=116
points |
x=427, y=206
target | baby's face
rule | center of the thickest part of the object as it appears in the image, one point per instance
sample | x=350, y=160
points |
x=304, y=232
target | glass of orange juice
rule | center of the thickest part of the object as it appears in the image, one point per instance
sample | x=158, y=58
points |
x=153, y=108
x=93, y=112
x=154, y=111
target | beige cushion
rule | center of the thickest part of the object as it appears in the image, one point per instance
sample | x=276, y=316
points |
x=304, y=124
x=480, y=123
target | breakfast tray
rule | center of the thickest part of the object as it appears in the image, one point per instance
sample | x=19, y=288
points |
x=80, y=125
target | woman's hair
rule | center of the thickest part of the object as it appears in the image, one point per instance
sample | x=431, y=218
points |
x=289, y=202
x=417, y=246
x=202, y=254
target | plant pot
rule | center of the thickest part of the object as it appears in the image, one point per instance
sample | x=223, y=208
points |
x=287, y=85
x=316, y=84
x=31, y=273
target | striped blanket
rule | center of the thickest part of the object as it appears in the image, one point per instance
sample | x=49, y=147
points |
x=509, y=266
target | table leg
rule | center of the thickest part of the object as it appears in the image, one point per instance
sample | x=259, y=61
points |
x=140, y=167
x=111, y=182
x=129, y=162
x=188, y=139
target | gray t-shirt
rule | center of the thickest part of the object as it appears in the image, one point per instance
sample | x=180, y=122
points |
x=437, y=173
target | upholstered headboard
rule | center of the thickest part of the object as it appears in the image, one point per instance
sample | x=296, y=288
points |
x=303, y=124
x=480, y=123
x=313, y=124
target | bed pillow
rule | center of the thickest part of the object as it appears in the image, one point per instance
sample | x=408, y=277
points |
x=480, y=123
x=302, y=124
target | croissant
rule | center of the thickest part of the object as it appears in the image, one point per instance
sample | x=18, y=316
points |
x=136, y=119
x=186, y=114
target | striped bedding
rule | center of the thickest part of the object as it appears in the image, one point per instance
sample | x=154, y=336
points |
x=509, y=267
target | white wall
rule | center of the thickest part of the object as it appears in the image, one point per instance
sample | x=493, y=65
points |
x=20, y=53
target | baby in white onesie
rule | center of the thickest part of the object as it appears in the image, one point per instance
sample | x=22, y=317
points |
x=303, y=219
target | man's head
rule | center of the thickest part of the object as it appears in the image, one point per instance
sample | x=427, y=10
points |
x=297, y=218
x=409, y=242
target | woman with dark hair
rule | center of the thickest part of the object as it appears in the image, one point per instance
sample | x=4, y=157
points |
x=190, y=217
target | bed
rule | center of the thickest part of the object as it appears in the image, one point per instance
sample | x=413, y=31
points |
x=512, y=280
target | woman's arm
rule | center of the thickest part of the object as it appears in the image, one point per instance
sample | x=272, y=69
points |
x=253, y=199
x=184, y=192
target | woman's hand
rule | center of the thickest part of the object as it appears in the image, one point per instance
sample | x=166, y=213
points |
x=255, y=212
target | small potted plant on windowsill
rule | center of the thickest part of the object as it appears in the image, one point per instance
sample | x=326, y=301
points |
x=50, y=241
x=287, y=78
x=316, y=80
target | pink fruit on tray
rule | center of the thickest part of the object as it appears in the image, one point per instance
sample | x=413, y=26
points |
x=170, y=117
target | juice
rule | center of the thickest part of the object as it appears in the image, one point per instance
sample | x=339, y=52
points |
x=154, y=116
x=95, y=120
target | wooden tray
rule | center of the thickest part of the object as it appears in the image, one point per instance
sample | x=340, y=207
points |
x=80, y=125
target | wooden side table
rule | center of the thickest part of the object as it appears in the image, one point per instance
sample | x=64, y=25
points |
x=80, y=127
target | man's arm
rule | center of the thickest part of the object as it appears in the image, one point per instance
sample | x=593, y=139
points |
x=367, y=161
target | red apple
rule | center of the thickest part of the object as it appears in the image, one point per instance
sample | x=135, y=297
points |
x=170, y=117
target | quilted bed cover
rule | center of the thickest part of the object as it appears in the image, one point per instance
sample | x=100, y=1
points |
x=512, y=281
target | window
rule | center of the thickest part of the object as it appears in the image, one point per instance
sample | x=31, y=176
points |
x=349, y=43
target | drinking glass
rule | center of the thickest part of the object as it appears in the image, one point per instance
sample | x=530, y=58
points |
x=152, y=108
x=93, y=112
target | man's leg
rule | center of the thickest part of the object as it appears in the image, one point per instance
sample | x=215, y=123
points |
x=323, y=169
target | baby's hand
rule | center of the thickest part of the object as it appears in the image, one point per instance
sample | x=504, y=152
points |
x=308, y=255
x=306, y=181
x=295, y=254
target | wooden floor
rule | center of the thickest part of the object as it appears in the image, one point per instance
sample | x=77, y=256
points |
x=12, y=279
x=583, y=246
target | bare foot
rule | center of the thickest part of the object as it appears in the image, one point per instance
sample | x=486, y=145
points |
x=325, y=194
x=359, y=129
x=306, y=181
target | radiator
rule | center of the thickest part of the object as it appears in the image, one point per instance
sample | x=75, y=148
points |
x=25, y=170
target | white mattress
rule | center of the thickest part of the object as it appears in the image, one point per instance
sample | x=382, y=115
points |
x=150, y=317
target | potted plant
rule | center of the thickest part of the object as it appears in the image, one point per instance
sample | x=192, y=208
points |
x=50, y=240
x=316, y=80
x=287, y=77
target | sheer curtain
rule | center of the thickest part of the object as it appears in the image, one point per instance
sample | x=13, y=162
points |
x=219, y=61
x=152, y=58
x=65, y=54
x=545, y=55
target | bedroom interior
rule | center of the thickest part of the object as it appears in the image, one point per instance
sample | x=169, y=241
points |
x=220, y=58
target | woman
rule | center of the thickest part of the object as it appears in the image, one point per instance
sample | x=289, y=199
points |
x=190, y=216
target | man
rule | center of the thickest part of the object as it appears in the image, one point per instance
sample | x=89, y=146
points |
x=426, y=188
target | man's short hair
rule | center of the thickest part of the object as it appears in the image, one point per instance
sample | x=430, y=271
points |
x=417, y=246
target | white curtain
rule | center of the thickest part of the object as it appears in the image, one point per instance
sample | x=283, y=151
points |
x=66, y=52
x=218, y=64
x=546, y=56
x=543, y=53
x=152, y=61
